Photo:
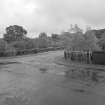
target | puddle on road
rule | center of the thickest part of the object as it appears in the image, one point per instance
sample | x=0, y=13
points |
x=66, y=81
x=86, y=75
x=85, y=81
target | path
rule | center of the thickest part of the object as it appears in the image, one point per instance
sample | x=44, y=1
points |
x=40, y=80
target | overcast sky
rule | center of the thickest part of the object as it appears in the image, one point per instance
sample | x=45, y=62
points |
x=51, y=15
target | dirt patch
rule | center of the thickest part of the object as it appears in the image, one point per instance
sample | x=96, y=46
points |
x=16, y=100
x=43, y=70
x=79, y=90
x=89, y=77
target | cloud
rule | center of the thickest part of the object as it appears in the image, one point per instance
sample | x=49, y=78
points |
x=51, y=15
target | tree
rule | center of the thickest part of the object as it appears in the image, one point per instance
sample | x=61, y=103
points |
x=55, y=37
x=14, y=33
x=101, y=42
x=43, y=40
x=99, y=33
x=3, y=45
x=78, y=42
x=43, y=35
x=75, y=29
x=19, y=45
x=91, y=41
x=6, y=49
x=88, y=28
x=84, y=42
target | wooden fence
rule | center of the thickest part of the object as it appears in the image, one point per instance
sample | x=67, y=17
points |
x=79, y=56
x=88, y=57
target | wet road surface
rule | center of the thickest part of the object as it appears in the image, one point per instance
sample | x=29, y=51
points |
x=40, y=80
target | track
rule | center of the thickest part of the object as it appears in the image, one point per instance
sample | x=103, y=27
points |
x=40, y=80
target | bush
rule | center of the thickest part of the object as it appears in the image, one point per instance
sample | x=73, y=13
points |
x=10, y=51
x=6, y=49
x=84, y=42
x=20, y=45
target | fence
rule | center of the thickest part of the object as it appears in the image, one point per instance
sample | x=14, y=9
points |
x=88, y=57
x=80, y=56
x=28, y=51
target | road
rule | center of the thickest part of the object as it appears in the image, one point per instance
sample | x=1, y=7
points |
x=40, y=80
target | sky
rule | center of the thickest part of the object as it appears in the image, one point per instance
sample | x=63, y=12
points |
x=51, y=16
